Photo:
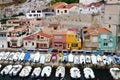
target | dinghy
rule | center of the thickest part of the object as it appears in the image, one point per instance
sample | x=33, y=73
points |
x=6, y=70
x=48, y=57
x=60, y=72
x=115, y=72
x=88, y=73
x=75, y=73
x=15, y=69
x=25, y=71
x=37, y=57
x=76, y=59
x=82, y=59
x=87, y=59
x=70, y=58
x=46, y=72
x=36, y=72
x=94, y=59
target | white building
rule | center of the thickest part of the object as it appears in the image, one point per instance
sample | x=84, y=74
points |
x=88, y=1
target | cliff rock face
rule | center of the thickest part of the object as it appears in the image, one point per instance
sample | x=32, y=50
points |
x=22, y=8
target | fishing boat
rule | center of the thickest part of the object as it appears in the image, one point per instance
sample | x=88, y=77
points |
x=99, y=59
x=1, y=55
x=46, y=72
x=48, y=57
x=37, y=57
x=105, y=60
x=32, y=56
x=10, y=56
x=54, y=57
x=75, y=73
x=36, y=72
x=5, y=55
x=60, y=72
x=94, y=59
x=6, y=70
x=117, y=59
x=115, y=72
x=42, y=59
x=65, y=57
x=16, y=56
x=21, y=57
x=82, y=59
x=70, y=58
x=88, y=73
x=25, y=71
x=111, y=60
x=87, y=59
x=15, y=69
x=76, y=59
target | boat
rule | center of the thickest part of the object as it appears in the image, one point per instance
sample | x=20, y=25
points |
x=42, y=59
x=111, y=60
x=115, y=72
x=21, y=57
x=99, y=59
x=1, y=55
x=5, y=55
x=87, y=59
x=36, y=72
x=75, y=73
x=105, y=60
x=54, y=57
x=37, y=57
x=70, y=58
x=25, y=71
x=46, y=72
x=32, y=56
x=117, y=59
x=48, y=57
x=10, y=56
x=88, y=73
x=6, y=70
x=82, y=59
x=94, y=59
x=16, y=56
x=60, y=72
x=15, y=69
x=65, y=57
x=76, y=59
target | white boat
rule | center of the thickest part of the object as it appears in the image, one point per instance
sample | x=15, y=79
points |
x=36, y=72
x=94, y=59
x=99, y=59
x=25, y=71
x=48, y=57
x=16, y=56
x=60, y=72
x=87, y=59
x=82, y=59
x=37, y=57
x=6, y=70
x=76, y=59
x=46, y=72
x=21, y=57
x=1, y=55
x=111, y=60
x=75, y=72
x=88, y=73
x=70, y=57
x=5, y=55
x=105, y=60
x=10, y=56
x=32, y=56
x=42, y=59
x=115, y=72
x=15, y=69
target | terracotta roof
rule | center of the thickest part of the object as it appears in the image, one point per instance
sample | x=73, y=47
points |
x=31, y=37
x=103, y=30
x=43, y=34
x=17, y=29
x=56, y=5
x=66, y=6
x=54, y=25
x=73, y=29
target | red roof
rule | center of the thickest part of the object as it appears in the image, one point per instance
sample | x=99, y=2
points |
x=56, y=5
x=54, y=25
x=43, y=34
x=31, y=37
x=66, y=6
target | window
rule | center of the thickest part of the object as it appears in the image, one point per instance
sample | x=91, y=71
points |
x=39, y=11
x=35, y=15
x=58, y=11
x=110, y=18
x=65, y=11
x=30, y=15
x=58, y=37
x=105, y=44
x=45, y=45
x=32, y=43
x=26, y=43
x=42, y=37
x=33, y=11
x=109, y=26
x=75, y=45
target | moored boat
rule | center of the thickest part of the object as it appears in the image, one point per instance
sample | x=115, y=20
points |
x=94, y=59
x=46, y=71
x=36, y=72
x=115, y=72
x=6, y=70
x=60, y=72
x=75, y=73
x=82, y=59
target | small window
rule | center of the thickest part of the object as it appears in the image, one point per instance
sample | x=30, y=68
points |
x=42, y=37
x=110, y=18
x=35, y=15
x=109, y=26
x=26, y=43
x=65, y=11
x=32, y=43
x=39, y=11
x=58, y=11
x=105, y=44
x=33, y=11
x=30, y=15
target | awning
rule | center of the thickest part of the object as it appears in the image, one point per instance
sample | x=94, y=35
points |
x=27, y=56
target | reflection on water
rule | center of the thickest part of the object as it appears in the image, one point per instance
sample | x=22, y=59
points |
x=101, y=74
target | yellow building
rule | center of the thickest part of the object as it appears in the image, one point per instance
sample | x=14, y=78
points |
x=72, y=42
